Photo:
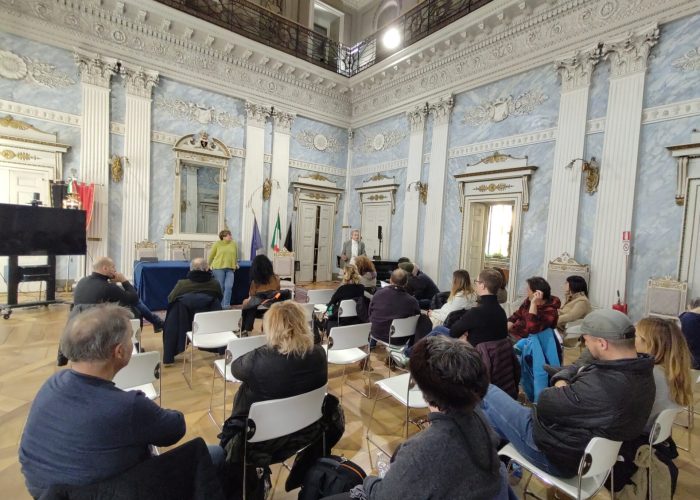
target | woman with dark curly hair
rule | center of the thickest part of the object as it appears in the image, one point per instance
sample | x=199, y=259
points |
x=263, y=279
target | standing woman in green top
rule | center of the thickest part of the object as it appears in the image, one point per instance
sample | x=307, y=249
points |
x=223, y=261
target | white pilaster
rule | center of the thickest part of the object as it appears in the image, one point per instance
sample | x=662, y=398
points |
x=253, y=178
x=409, y=235
x=628, y=59
x=282, y=124
x=95, y=75
x=137, y=151
x=571, y=137
x=436, y=187
x=348, y=188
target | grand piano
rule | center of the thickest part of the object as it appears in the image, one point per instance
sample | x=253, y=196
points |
x=384, y=268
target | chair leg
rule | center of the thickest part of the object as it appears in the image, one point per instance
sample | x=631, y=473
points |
x=369, y=426
x=211, y=399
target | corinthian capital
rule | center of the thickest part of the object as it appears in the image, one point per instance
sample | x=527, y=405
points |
x=257, y=114
x=139, y=82
x=416, y=118
x=630, y=55
x=441, y=109
x=95, y=70
x=283, y=121
x=576, y=71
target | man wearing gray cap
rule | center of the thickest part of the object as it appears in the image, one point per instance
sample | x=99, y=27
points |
x=611, y=397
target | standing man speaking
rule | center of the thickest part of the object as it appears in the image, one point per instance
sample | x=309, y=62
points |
x=352, y=248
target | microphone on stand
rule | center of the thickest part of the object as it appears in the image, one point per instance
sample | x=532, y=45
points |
x=379, y=232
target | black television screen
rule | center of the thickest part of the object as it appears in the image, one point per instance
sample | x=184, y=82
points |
x=27, y=230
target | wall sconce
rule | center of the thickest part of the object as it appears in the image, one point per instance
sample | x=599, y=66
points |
x=422, y=188
x=592, y=170
x=116, y=167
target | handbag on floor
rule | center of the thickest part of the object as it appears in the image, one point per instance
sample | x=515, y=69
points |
x=329, y=476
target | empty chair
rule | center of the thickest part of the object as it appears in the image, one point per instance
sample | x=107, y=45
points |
x=140, y=374
x=235, y=349
x=136, y=334
x=320, y=296
x=281, y=417
x=660, y=432
x=211, y=330
x=595, y=466
x=403, y=389
x=399, y=332
x=344, y=348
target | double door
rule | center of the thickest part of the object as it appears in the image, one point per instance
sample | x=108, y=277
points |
x=374, y=216
x=315, y=241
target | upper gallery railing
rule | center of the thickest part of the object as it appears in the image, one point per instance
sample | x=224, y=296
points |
x=254, y=22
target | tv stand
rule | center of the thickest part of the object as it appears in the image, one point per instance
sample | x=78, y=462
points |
x=17, y=274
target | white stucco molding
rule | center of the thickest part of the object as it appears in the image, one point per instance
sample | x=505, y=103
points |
x=380, y=167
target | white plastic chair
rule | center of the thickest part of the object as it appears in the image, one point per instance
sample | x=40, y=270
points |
x=280, y=417
x=661, y=431
x=135, y=332
x=322, y=296
x=309, y=313
x=402, y=389
x=401, y=328
x=235, y=349
x=211, y=330
x=690, y=411
x=594, y=468
x=140, y=374
x=344, y=348
x=347, y=309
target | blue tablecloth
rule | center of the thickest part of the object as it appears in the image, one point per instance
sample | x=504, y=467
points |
x=155, y=280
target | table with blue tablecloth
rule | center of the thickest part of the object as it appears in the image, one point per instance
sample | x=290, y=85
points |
x=155, y=280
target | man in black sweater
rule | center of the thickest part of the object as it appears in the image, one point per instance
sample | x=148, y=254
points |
x=199, y=279
x=487, y=320
x=101, y=286
x=420, y=285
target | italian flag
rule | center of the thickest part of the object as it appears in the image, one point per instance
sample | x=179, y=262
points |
x=276, y=235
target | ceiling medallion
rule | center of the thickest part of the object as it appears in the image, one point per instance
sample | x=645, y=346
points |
x=12, y=66
x=320, y=142
x=378, y=142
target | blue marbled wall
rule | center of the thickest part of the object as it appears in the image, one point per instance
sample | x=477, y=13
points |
x=162, y=192
x=114, y=246
x=666, y=80
x=63, y=98
x=301, y=145
x=587, y=205
x=364, y=148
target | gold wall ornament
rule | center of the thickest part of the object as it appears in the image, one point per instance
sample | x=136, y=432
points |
x=115, y=164
x=591, y=169
x=318, y=196
x=492, y=187
x=318, y=177
x=9, y=121
x=267, y=189
x=496, y=157
x=422, y=188
x=376, y=197
x=378, y=177
x=170, y=228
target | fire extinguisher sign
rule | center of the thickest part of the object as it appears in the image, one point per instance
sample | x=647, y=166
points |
x=626, y=237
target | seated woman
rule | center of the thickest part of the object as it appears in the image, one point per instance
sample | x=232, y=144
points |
x=577, y=304
x=350, y=288
x=502, y=294
x=288, y=365
x=367, y=272
x=263, y=279
x=455, y=457
x=539, y=311
x=462, y=296
x=690, y=325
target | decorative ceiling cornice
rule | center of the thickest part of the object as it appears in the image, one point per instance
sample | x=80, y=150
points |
x=503, y=38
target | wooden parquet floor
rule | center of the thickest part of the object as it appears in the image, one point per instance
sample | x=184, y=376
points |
x=28, y=343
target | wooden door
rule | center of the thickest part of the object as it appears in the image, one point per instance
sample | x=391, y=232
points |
x=324, y=266
x=478, y=222
x=373, y=216
x=306, y=236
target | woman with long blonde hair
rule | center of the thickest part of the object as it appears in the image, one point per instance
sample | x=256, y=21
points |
x=462, y=296
x=662, y=339
x=351, y=288
x=288, y=364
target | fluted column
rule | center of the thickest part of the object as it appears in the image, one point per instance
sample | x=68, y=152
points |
x=95, y=75
x=432, y=238
x=137, y=151
x=348, y=190
x=409, y=235
x=618, y=170
x=281, y=128
x=571, y=138
x=253, y=178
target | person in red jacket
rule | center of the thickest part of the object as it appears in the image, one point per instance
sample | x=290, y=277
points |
x=539, y=311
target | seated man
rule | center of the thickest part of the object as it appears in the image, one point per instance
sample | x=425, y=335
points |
x=389, y=303
x=611, y=397
x=420, y=285
x=199, y=279
x=82, y=429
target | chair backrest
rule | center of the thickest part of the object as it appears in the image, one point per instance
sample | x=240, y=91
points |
x=347, y=309
x=146, y=249
x=561, y=268
x=283, y=265
x=143, y=368
x=281, y=417
x=135, y=329
x=403, y=327
x=180, y=250
x=319, y=296
x=347, y=337
x=308, y=312
x=216, y=322
x=663, y=424
x=599, y=457
x=666, y=297
x=243, y=345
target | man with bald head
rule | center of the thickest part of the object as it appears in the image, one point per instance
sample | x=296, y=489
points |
x=390, y=303
x=200, y=279
x=81, y=428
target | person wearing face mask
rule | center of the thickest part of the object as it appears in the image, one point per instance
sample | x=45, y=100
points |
x=199, y=279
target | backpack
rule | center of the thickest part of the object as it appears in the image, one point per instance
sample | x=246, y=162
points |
x=329, y=476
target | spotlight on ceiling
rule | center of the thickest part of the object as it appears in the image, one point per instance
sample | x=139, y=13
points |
x=391, y=38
